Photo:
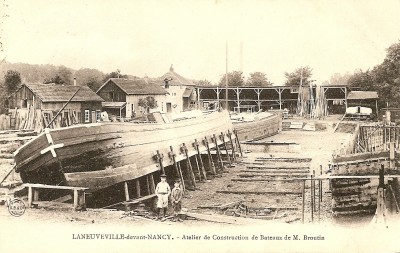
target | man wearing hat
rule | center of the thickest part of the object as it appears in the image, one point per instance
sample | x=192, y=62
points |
x=176, y=199
x=162, y=191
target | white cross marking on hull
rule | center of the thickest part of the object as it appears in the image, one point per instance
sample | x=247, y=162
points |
x=52, y=146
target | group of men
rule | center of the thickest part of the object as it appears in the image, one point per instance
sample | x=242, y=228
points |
x=164, y=193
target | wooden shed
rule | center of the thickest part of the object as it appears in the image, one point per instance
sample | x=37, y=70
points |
x=35, y=105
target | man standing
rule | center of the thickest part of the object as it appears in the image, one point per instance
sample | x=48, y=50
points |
x=162, y=191
x=176, y=199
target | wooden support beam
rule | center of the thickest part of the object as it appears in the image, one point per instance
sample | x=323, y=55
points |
x=203, y=171
x=222, y=136
x=221, y=165
x=197, y=167
x=30, y=196
x=152, y=184
x=177, y=168
x=210, y=160
x=189, y=166
x=126, y=190
x=76, y=199
x=148, y=185
x=35, y=194
x=137, y=186
x=233, y=147
x=238, y=142
x=160, y=161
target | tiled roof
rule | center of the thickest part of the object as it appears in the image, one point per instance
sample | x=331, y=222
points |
x=360, y=95
x=63, y=93
x=175, y=79
x=137, y=86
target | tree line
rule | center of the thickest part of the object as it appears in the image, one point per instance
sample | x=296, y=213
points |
x=260, y=79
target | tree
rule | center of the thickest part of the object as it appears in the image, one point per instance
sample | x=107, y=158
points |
x=89, y=77
x=114, y=74
x=258, y=79
x=361, y=80
x=339, y=79
x=62, y=76
x=12, y=79
x=204, y=82
x=235, y=79
x=293, y=78
x=147, y=103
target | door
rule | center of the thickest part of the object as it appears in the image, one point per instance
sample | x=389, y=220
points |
x=93, y=116
x=169, y=107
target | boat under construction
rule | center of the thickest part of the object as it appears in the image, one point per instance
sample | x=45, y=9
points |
x=101, y=155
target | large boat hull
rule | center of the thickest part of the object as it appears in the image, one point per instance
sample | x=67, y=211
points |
x=101, y=154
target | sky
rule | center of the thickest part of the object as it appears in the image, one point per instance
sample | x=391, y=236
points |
x=145, y=37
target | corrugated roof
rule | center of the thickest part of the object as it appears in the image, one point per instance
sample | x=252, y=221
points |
x=361, y=95
x=137, y=86
x=63, y=93
x=175, y=79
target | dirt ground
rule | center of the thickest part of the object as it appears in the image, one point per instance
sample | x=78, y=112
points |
x=55, y=229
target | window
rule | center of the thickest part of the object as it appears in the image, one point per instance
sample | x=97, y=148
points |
x=87, y=116
x=98, y=115
x=24, y=103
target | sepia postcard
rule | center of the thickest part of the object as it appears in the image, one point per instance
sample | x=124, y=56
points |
x=199, y=126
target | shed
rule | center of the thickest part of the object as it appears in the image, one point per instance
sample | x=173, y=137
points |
x=363, y=98
x=41, y=102
x=122, y=96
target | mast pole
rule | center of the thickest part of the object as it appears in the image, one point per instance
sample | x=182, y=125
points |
x=226, y=79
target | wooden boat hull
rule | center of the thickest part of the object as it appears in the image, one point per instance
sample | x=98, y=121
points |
x=259, y=129
x=78, y=155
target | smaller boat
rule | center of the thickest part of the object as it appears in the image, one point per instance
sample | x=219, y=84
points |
x=256, y=126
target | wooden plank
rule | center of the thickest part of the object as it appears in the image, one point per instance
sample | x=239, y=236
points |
x=126, y=190
x=60, y=187
x=141, y=199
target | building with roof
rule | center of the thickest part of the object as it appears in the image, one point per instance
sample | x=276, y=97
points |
x=84, y=105
x=181, y=91
x=122, y=96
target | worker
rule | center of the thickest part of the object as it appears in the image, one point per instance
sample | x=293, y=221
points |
x=162, y=191
x=176, y=199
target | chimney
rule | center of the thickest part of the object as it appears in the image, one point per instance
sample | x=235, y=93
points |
x=74, y=81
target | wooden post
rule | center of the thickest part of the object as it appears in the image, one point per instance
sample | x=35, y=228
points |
x=137, y=186
x=126, y=191
x=152, y=184
x=221, y=164
x=203, y=171
x=319, y=199
x=312, y=198
x=29, y=196
x=233, y=148
x=210, y=160
x=82, y=200
x=189, y=165
x=177, y=168
x=35, y=195
x=148, y=185
x=75, y=199
x=160, y=160
x=197, y=167
x=222, y=136
x=315, y=206
x=238, y=142
x=303, y=194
